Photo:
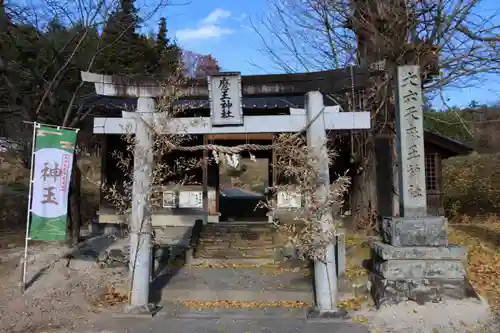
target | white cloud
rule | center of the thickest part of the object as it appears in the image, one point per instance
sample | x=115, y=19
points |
x=241, y=18
x=203, y=32
x=216, y=15
x=207, y=28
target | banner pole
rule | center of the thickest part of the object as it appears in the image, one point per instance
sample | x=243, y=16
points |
x=28, y=213
x=52, y=126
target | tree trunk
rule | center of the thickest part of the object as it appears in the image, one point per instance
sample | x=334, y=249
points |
x=395, y=178
x=364, y=187
x=375, y=188
x=74, y=216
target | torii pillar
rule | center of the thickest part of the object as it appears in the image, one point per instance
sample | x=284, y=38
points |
x=319, y=117
x=140, y=220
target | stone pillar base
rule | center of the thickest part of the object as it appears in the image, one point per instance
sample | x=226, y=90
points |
x=391, y=292
x=421, y=274
x=415, y=231
x=315, y=314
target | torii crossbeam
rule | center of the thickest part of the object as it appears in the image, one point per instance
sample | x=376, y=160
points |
x=316, y=115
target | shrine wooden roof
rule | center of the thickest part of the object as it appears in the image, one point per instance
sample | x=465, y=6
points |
x=330, y=81
x=447, y=146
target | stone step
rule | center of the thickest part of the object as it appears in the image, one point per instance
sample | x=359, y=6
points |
x=228, y=235
x=235, y=262
x=207, y=295
x=237, y=228
x=225, y=238
x=238, y=231
x=240, y=227
x=254, y=253
x=252, y=311
x=239, y=245
x=227, y=251
x=219, y=239
x=226, y=241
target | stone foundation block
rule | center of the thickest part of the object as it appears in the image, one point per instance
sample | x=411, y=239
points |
x=389, y=252
x=418, y=269
x=390, y=292
x=415, y=231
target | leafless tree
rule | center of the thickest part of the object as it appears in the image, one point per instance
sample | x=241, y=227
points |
x=455, y=42
x=199, y=65
x=42, y=102
x=308, y=35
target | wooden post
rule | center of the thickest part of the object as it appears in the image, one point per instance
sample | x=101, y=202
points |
x=340, y=252
x=204, y=166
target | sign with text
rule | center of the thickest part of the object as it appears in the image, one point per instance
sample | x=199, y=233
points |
x=191, y=199
x=410, y=139
x=289, y=199
x=225, y=99
x=53, y=154
x=169, y=199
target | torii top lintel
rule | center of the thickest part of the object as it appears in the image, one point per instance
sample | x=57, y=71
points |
x=327, y=82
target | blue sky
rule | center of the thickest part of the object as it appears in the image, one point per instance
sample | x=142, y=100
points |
x=223, y=28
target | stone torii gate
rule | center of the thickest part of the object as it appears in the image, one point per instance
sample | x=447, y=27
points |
x=319, y=117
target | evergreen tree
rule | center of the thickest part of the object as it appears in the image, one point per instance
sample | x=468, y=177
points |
x=162, y=41
x=125, y=52
x=168, y=53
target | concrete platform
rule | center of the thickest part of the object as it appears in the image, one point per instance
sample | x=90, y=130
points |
x=194, y=321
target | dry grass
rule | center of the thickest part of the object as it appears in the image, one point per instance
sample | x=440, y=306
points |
x=14, y=180
x=482, y=238
x=472, y=184
x=12, y=171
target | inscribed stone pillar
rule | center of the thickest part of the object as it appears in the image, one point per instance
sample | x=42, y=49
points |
x=410, y=142
x=414, y=227
x=416, y=262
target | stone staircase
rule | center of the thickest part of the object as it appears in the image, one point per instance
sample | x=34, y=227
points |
x=237, y=240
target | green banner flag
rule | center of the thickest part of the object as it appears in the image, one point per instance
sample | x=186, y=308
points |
x=53, y=154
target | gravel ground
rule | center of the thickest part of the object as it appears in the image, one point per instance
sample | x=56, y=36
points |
x=451, y=316
x=61, y=296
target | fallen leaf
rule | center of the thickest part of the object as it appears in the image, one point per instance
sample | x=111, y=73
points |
x=353, y=304
x=481, y=239
x=244, y=305
x=360, y=319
